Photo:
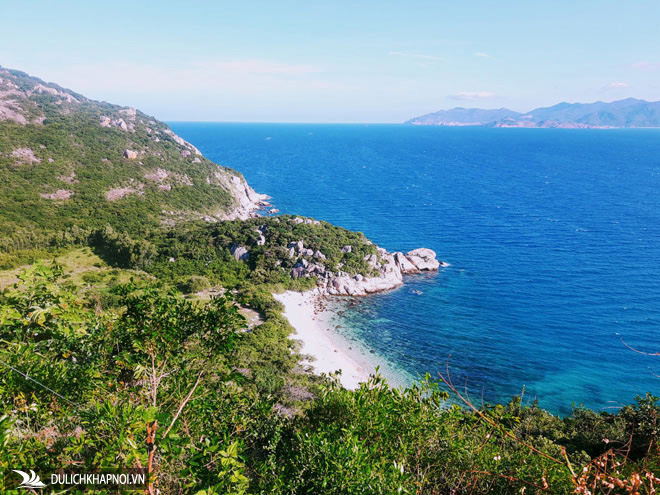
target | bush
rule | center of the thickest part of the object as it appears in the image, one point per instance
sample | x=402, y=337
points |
x=194, y=284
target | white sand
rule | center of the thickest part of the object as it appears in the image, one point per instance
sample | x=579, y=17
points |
x=300, y=310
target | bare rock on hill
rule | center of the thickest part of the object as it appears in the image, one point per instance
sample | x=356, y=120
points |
x=60, y=194
x=42, y=89
x=130, y=154
x=9, y=112
x=121, y=192
x=159, y=175
x=246, y=200
x=130, y=113
x=69, y=179
x=240, y=253
x=25, y=155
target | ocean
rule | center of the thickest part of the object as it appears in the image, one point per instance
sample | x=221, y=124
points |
x=553, y=236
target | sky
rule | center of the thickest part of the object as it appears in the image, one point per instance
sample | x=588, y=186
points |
x=336, y=61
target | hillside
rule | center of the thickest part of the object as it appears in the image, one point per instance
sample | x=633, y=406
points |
x=463, y=117
x=66, y=161
x=630, y=112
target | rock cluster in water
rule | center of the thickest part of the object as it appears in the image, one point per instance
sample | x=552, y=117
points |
x=388, y=269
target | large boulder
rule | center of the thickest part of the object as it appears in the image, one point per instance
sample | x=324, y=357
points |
x=240, y=253
x=423, y=259
x=404, y=264
x=130, y=154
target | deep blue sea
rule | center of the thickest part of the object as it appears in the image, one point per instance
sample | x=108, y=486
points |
x=553, y=236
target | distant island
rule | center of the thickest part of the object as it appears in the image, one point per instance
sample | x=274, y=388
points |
x=630, y=112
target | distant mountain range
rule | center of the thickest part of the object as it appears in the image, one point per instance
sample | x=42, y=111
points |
x=630, y=112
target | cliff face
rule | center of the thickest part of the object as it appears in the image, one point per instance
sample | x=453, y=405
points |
x=68, y=160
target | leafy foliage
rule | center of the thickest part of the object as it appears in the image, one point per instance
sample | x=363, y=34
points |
x=82, y=386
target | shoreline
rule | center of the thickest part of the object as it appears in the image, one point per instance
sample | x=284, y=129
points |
x=311, y=321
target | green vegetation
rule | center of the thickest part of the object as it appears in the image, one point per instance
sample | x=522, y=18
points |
x=206, y=249
x=71, y=151
x=123, y=343
x=229, y=411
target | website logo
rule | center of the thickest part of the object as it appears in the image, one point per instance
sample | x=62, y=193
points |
x=29, y=480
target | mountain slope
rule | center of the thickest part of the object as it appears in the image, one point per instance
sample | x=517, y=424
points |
x=630, y=112
x=623, y=113
x=66, y=161
x=463, y=116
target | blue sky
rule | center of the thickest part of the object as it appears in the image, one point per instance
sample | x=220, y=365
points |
x=339, y=61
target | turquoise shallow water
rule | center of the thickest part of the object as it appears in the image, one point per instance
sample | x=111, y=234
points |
x=553, y=238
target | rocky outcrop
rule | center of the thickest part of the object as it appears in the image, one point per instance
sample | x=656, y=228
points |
x=422, y=259
x=60, y=194
x=121, y=192
x=404, y=264
x=246, y=200
x=388, y=268
x=240, y=253
x=25, y=155
x=158, y=175
x=130, y=154
x=182, y=142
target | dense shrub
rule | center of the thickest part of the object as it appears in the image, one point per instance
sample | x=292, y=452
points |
x=194, y=283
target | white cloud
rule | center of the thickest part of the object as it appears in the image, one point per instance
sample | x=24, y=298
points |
x=646, y=65
x=482, y=55
x=472, y=95
x=616, y=85
x=414, y=55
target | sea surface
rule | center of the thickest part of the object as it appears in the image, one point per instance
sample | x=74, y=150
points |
x=553, y=236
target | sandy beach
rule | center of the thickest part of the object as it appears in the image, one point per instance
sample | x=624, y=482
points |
x=301, y=309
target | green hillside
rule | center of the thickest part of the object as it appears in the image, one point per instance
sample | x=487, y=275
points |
x=69, y=161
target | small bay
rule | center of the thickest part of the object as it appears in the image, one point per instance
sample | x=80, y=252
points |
x=553, y=236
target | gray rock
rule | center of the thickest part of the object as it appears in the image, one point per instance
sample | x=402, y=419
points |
x=240, y=253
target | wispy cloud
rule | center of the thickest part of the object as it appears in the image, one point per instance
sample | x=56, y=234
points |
x=420, y=56
x=616, y=85
x=482, y=55
x=472, y=95
x=646, y=65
